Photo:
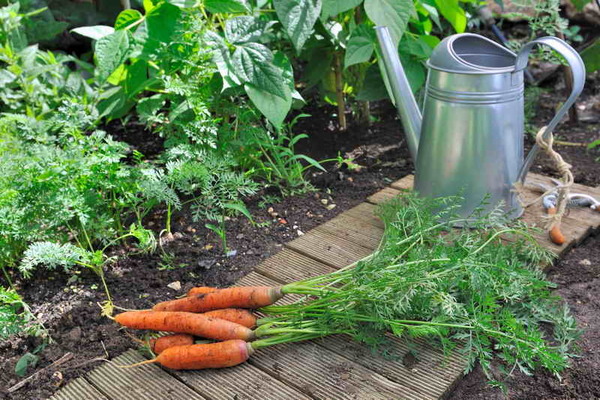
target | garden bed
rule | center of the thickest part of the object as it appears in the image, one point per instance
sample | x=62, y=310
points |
x=68, y=305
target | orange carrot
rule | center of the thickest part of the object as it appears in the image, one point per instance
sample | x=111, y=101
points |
x=202, y=356
x=162, y=343
x=243, y=297
x=183, y=322
x=556, y=235
x=237, y=315
x=201, y=290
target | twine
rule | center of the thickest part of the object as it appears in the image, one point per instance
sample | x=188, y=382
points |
x=563, y=189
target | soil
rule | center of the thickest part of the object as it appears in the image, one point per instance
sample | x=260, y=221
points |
x=192, y=256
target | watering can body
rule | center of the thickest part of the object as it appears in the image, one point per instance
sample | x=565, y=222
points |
x=469, y=141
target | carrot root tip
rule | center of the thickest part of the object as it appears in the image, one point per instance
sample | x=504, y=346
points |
x=138, y=364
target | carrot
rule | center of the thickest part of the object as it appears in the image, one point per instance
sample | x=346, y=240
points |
x=201, y=290
x=237, y=315
x=202, y=356
x=243, y=297
x=162, y=343
x=183, y=322
x=556, y=236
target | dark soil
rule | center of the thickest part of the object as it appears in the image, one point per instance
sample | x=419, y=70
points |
x=68, y=304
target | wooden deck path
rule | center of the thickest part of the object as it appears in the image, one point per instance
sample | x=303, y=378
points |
x=331, y=368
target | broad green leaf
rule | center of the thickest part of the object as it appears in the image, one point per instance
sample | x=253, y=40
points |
x=281, y=61
x=360, y=46
x=433, y=15
x=110, y=52
x=114, y=103
x=157, y=28
x=244, y=29
x=227, y=6
x=416, y=47
x=331, y=8
x=183, y=3
x=27, y=360
x=136, y=79
x=127, y=18
x=298, y=18
x=222, y=59
x=579, y=4
x=391, y=13
x=453, y=13
x=373, y=87
x=94, y=32
x=319, y=64
x=432, y=41
x=149, y=5
x=415, y=71
x=591, y=57
x=253, y=63
x=273, y=107
x=148, y=107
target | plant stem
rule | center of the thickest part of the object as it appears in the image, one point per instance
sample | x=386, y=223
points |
x=339, y=91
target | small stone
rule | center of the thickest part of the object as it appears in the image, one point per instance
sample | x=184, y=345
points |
x=151, y=223
x=331, y=206
x=206, y=263
x=208, y=247
x=585, y=262
x=175, y=286
x=350, y=179
x=299, y=232
x=178, y=235
x=239, y=236
x=57, y=378
x=249, y=252
x=189, y=229
x=324, y=201
x=231, y=253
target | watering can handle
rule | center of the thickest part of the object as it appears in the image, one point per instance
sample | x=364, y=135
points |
x=578, y=72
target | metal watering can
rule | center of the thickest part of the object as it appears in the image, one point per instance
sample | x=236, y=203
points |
x=469, y=141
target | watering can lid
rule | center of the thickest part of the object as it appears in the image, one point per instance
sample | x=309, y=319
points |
x=468, y=53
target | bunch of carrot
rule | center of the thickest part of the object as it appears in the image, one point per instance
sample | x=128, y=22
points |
x=223, y=315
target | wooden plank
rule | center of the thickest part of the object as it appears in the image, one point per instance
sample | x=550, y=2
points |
x=383, y=195
x=592, y=191
x=323, y=374
x=242, y=382
x=366, y=213
x=79, y=389
x=290, y=266
x=144, y=382
x=430, y=372
x=358, y=228
x=345, y=229
x=405, y=183
x=328, y=249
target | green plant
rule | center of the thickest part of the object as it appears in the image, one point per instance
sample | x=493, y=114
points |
x=35, y=82
x=16, y=316
x=428, y=279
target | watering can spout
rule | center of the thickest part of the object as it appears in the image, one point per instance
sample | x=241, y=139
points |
x=400, y=90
